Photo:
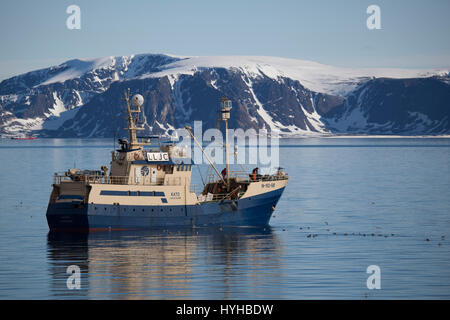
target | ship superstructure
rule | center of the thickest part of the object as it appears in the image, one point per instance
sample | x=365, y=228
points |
x=148, y=185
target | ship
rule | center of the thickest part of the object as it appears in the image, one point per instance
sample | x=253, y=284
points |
x=148, y=185
x=23, y=138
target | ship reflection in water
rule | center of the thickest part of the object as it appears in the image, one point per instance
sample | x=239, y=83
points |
x=167, y=264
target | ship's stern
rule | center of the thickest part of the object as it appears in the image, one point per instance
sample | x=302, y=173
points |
x=67, y=209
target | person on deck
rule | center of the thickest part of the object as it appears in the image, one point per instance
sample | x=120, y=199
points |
x=255, y=174
x=224, y=173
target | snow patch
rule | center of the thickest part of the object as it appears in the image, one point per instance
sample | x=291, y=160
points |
x=58, y=107
x=77, y=67
x=314, y=76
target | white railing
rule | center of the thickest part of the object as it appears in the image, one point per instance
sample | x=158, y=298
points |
x=119, y=180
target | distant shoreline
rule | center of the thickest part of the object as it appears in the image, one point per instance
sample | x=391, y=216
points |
x=359, y=136
x=446, y=136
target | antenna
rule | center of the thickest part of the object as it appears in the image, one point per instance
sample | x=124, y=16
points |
x=226, y=108
x=137, y=101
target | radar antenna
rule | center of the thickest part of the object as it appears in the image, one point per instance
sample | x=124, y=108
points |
x=137, y=101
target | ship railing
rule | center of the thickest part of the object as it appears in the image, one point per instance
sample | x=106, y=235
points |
x=124, y=180
x=247, y=177
x=176, y=181
x=86, y=179
x=119, y=180
x=219, y=197
x=267, y=177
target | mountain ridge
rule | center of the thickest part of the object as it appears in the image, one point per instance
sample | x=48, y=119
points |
x=288, y=96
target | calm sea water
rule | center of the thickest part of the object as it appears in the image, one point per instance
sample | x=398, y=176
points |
x=350, y=203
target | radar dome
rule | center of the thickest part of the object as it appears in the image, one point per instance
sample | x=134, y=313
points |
x=137, y=100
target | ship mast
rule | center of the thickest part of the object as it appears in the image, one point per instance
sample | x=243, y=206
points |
x=137, y=102
x=226, y=107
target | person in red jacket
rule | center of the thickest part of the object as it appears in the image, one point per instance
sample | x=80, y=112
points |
x=255, y=174
x=224, y=173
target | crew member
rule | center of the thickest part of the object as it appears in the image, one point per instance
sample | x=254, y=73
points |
x=224, y=173
x=255, y=174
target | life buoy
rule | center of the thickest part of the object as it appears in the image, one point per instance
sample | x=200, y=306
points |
x=136, y=156
x=158, y=167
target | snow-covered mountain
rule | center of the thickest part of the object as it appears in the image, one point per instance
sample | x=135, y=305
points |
x=82, y=98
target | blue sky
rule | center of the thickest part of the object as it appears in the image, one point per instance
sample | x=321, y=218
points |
x=414, y=34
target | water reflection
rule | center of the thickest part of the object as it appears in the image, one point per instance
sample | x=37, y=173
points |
x=167, y=264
